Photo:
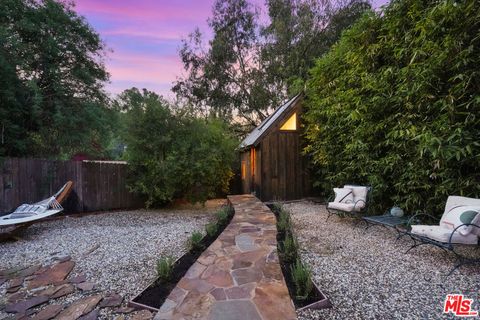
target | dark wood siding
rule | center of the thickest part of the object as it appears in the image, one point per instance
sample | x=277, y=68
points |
x=281, y=170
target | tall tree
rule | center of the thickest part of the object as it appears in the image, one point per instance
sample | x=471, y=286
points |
x=301, y=31
x=57, y=61
x=226, y=80
x=246, y=70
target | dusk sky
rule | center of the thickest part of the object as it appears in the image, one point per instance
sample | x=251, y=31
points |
x=145, y=35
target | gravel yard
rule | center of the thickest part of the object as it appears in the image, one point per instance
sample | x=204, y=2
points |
x=366, y=274
x=116, y=250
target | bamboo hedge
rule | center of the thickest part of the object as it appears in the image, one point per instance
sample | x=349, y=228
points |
x=396, y=104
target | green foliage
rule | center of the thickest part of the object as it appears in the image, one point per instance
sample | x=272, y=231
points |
x=165, y=268
x=394, y=105
x=52, y=78
x=247, y=69
x=290, y=248
x=301, y=275
x=174, y=156
x=211, y=229
x=300, y=31
x=277, y=207
x=222, y=216
x=283, y=221
x=195, y=241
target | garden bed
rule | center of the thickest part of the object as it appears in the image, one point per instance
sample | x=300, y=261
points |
x=154, y=295
x=315, y=299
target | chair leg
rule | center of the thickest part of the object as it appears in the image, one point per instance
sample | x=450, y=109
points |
x=416, y=244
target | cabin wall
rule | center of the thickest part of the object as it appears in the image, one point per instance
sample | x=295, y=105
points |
x=284, y=169
x=279, y=169
x=251, y=175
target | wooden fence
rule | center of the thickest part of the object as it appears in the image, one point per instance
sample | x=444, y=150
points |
x=98, y=185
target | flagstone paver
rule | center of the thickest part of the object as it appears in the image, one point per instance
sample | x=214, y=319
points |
x=238, y=276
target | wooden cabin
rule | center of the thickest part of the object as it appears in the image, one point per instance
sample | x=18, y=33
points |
x=272, y=165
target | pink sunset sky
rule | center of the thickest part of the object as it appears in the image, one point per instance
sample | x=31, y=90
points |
x=144, y=37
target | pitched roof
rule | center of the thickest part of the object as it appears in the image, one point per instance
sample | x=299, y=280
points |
x=254, y=136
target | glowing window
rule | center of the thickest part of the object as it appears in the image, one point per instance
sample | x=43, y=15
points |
x=290, y=124
x=244, y=170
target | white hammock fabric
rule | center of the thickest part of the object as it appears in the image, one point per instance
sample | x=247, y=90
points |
x=31, y=212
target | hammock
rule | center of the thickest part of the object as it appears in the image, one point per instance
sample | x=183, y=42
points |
x=31, y=212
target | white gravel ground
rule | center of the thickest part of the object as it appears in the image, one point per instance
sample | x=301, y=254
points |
x=117, y=251
x=366, y=274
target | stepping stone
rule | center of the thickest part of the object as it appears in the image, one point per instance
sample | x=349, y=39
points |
x=243, y=276
x=79, y=308
x=245, y=242
x=113, y=300
x=62, y=258
x=219, y=294
x=242, y=292
x=92, y=315
x=57, y=291
x=86, y=286
x=22, y=306
x=234, y=310
x=17, y=296
x=11, y=273
x=3, y=280
x=15, y=282
x=217, y=277
x=48, y=313
x=142, y=315
x=124, y=310
x=78, y=279
x=54, y=274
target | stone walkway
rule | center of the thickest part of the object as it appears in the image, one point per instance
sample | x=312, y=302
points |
x=50, y=292
x=238, y=276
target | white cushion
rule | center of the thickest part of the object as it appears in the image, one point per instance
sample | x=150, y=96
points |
x=460, y=215
x=455, y=201
x=343, y=195
x=359, y=193
x=442, y=234
x=348, y=207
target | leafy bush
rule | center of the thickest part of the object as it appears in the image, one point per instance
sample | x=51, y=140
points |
x=222, y=216
x=174, y=156
x=301, y=275
x=195, y=241
x=283, y=221
x=211, y=229
x=165, y=268
x=277, y=207
x=290, y=248
x=395, y=105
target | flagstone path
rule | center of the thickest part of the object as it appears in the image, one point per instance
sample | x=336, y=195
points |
x=238, y=276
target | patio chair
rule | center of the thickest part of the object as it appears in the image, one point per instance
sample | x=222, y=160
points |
x=459, y=225
x=29, y=213
x=350, y=200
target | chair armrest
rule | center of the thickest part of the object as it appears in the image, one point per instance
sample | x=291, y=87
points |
x=455, y=230
x=356, y=202
x=420, y=214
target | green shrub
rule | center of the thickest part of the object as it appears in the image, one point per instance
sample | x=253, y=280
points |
x=290, y=248
x=195, y=241
x=222, y=216
x=394, y=105
x=283, y=221
x=173, y=156
x=277, y=207
x=165, y=268
x=211, y=229
x=301, y=275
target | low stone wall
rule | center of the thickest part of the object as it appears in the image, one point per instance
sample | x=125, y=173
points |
x=238, y=276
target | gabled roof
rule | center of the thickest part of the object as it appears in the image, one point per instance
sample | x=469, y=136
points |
x=254, y=137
